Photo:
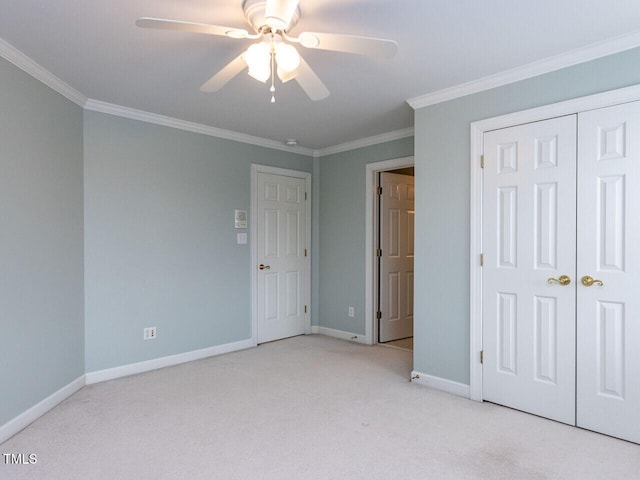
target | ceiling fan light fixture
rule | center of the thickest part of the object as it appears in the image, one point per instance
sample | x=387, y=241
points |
x=257, y=55
x=258, y=59
x=260, y=74
x=287, y=57
x=286, y=76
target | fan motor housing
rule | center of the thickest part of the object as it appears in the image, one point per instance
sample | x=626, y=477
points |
x=254, y=12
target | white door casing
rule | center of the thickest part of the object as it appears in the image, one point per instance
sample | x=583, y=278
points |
x=608, y=342
x=529, y=202
x=282, y=284
x=397, y=200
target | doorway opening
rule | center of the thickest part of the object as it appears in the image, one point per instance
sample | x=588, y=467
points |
x=397, y=285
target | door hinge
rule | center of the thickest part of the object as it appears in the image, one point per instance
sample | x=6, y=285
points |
x=305, y=252
x=378, y=314
x=481, y=161
x=482, y=259
x=379, y=252
x=379, y=190
x=305, y=195
x=305, y=309
x=481, y=356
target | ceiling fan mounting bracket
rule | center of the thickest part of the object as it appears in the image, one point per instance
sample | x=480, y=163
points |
x=254, y=11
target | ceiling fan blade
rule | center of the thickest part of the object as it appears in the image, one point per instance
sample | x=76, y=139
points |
x=220, y=79
x=164, y=24
x=278, y=13
x=310, y=82
x=374, y=47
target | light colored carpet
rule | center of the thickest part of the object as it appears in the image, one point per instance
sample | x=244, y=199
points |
x=404, y=343
x=304, y=408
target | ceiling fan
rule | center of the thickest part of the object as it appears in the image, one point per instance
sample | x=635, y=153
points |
x=275, y=53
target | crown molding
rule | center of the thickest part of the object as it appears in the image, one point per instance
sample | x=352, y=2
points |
x=20, y=60
x=547, y=65
x=365, y=142
x=126, y=112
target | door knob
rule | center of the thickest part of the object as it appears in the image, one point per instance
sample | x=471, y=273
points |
x=562, y=280
x=587, y=281
x=264, y=267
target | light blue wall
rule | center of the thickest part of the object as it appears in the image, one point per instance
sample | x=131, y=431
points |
x=41, y=284
x=160, y=242
x=441, y=331
x=341, y=226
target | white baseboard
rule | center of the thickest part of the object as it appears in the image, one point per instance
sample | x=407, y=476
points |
x=330, y=332
x=13, y=426
x=449, y=386
x=156, y=363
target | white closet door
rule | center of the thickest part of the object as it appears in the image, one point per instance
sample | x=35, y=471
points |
x=529, y=209
x=608, y=323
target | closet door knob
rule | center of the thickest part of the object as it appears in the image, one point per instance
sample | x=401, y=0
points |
x=562, y=280
x=587, y=281
x=264, y=267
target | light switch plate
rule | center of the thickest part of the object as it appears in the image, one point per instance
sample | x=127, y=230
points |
x=242, y=238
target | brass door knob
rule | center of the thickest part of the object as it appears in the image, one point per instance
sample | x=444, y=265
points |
x=264, y=267
x=562, y=280
x=587, y=281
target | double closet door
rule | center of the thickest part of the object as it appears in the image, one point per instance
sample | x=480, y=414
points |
x=561, y=276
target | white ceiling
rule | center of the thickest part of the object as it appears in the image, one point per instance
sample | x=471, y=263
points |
x=94, y=46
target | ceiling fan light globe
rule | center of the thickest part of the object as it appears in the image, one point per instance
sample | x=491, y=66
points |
x=287, y=57
x=261, y=74
x=257, y=56
x=286, y=76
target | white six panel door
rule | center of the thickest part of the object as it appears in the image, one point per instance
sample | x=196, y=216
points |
x=281, y=253
x=608, y=341
x=529, y=208
x=396, y=263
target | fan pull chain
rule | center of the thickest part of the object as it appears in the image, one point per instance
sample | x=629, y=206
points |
x=273, y=72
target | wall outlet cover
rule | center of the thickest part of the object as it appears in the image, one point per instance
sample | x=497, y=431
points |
x=149, y=333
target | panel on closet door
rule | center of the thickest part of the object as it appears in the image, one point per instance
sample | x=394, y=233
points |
x=507, y=157
x=507, y=333
x=546, y=352
x=610, y=349
x=546, y=226
x=611, y=223
x=546, y=152
x=507, y=226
